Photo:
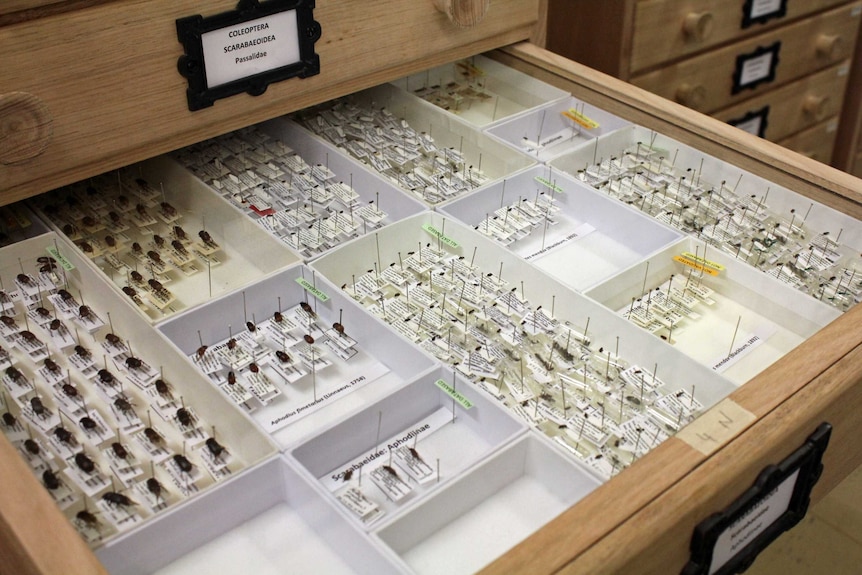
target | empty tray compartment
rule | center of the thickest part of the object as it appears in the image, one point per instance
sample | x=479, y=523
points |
x=483, y=514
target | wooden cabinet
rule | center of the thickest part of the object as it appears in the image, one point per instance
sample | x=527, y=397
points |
x=109, y=94
x=720, y=60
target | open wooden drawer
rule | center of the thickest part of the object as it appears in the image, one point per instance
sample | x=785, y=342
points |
x=97, y=122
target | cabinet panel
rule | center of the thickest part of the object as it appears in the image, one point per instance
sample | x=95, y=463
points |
x=669, y=29
x=734, y=73
x=110, y=94
x=816, y=143
x=792, y=108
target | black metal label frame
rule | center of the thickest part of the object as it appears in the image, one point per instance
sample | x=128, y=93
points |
x=806, y=462
x=740, y=82
x=192, y=65
x=749, y=20
x=762, y=115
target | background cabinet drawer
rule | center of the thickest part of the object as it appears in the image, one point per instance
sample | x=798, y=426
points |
x=707, y=83
x=666, y=30
x=816, y=142
x=791, y=108
x=101, y=88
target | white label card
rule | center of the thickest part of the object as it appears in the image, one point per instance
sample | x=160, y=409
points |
x=250, y=48
x=746, y=529
x=761, y=8
x=752, y=126
x=756, y=68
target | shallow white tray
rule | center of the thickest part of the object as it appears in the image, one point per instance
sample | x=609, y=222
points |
x=481, y=152
x=509, y=90
x=245, y=445
x=483, y=514
x=247, y=251
x=384, y=362
x=455, y=438
x=554, y=133
x=264, y=521
x=773, y=317
x=593, y=236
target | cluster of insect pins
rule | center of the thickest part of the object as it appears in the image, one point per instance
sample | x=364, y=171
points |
x=393, y=473
x=587, y=397
x=779, y=244
x=409, y=158
x=130, y=230
x=466, y=89
x=303, y=205
x=78, y=404
x=261, y=363
x=518, y=220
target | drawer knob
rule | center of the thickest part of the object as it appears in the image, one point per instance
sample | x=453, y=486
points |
x=26, y=127
x=815, y=106
x=829, y=46
x=463, y=13
x=697, y=26
x=691, y=96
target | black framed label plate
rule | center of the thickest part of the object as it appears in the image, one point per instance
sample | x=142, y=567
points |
x=247, y=49
x=762, y=11
x=754, y=122
x=755, y=68
x=728, y=542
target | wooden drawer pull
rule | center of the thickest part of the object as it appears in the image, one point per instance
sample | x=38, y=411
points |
x=26, y=127
x=697, y=26
x=691, y=96
x=815, y=106
x=463, y=13
x=829, y=46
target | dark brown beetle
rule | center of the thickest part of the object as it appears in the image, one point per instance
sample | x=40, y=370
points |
x=87, y=519
x=119, y=450
x=50, y=480
x=32, y=447
x=88, y=423
x=215, y=447
x=184, y=416
x=152, y=436
x=183, y=463
x=117, y=499
x=84, y=463
x=38, y=407
x=9, y=419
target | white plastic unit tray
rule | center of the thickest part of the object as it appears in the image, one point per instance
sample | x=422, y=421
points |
x=556, y=128
x=462, y=153
x=480, y=90
x=265, y=521
x=773, y=318
x=299, y=188
x=210, y=415
x=808, y=245
x=580, y=236
x=405, y=446
x=480, y=516
x=245, y=251
x=565, y=317
x=379, y=363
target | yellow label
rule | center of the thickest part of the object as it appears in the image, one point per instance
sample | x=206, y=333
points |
x=471, y=70
x=579, y=118
x=698, y=263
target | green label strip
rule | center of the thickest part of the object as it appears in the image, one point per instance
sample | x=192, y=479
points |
x=450, y=391
x=55, y=253
x=312, y=290
x=438, y=234
x=548, y=184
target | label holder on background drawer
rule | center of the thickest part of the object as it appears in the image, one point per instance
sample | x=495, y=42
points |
x=729, y=541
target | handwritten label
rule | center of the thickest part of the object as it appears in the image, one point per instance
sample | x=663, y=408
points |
x=438, y=234
x=754, y=122
x=450, y=391
x=312, y=290
x=250, y=48
x=717, y=426
x=64, y=263
x=755, y=69
x=761, y=11
x=760, y=8
x=755, y=521
x=581, y=119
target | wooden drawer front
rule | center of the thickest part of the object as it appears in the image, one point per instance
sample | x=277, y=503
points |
x=665, y=30
x=816, y=143
x=104, y=79
x=857, y=166
x=706, y=82
x=793, y=107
